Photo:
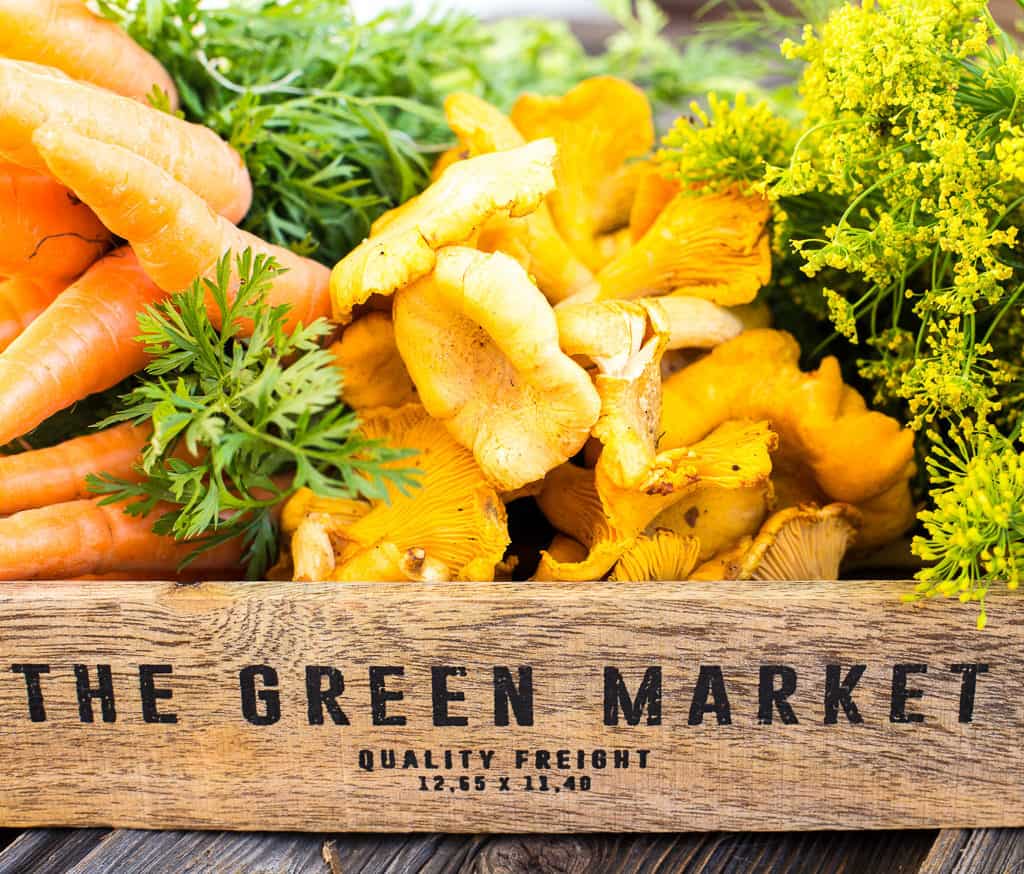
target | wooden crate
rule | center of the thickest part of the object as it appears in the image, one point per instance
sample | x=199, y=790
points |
x=507, y=707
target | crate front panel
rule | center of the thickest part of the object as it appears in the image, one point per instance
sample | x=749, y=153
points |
x=506, y=707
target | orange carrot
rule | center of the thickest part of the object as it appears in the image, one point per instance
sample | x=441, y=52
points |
x=66, y=35
x=175, y=235
x=21, y=301
x=45, y=231
x=80, y=538
x=56, y=474
x=82, y=343
x=32, y=96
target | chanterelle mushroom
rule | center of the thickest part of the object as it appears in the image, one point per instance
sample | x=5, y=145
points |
x=481, y=345
x=452, y=210
x=373, y=372
x=532, y=240
x=712, y=246
x=625, y=341
x=798, y=543
x=572, y=505
x=831, y=447
x=458, y=152
x=663, y=555
x=718, y=517
x=737, y=454
x=616, y=196
x=607, y=518
x=385, y=562
x=654, y=191
x=452, y=526
x=599, y=125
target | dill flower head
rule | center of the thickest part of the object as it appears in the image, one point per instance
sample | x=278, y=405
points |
x=974, y=533
x=897, y=202
x=912, y=155
x=903, y=195
x=725, y=146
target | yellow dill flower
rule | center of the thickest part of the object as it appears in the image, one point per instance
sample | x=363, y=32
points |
x=974, y=533
x=902, y=197
x=842, y=313
x=725, y=146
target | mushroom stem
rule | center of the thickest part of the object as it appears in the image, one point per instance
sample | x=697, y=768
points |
x=695, y=323
x=417, y=565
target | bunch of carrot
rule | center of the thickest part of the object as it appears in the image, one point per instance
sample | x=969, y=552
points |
x=107, y=205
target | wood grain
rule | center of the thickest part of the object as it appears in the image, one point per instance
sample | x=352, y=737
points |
x=960, y=851
x=131, y=852
x=214, y=769
x=142, y=852
x=49, y=851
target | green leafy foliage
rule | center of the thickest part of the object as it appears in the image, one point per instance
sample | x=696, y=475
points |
x=339, y=120
x=241, y=422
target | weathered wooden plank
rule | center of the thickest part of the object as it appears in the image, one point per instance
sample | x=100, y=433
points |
x=428, y=854
x=377, y=854
x=993, y=851
x=893, y=852
x=714, y=745
x=819, y=852
x=48, y=851
x=945, y=851
x=130, y=852
x=145, y=852
x=581, y=854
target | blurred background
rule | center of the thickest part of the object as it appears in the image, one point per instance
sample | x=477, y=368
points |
x=590, y=15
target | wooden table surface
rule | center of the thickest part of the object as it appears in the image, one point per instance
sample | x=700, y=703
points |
x=98, y=851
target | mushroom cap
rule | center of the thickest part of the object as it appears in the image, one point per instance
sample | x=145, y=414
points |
x=535, y=243
x=609, y=246
x=718, y=517
x=625, y=341
x=563, y=548
x=305, y=503
x=695, y=323
x=453, y=526
x=532, y=240
x=480, y=126
x=458, y=152
x=712, y=246
x=616, y=195
x=599, y=125
x=481, y=345
x=312, y=551
x=454, y=515
x=607, y=519
x=754, y=316
x=887, y=515
x=609, y=333
x=799, y=543
x=373, y=373
x=385, y=562
x=831, y=447
x=661, y=556
x=450, y=211
x=653, y=193
x=572, y=505
x=735, y=455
